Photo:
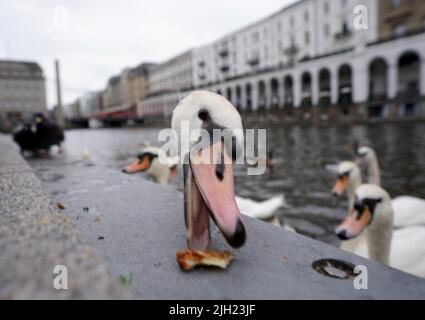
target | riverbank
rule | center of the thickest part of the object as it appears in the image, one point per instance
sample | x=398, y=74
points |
x=137, y=226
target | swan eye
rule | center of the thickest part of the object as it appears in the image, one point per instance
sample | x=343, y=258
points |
x=203, y=115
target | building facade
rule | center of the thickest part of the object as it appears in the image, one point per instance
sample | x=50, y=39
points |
x=310, y=55
x=304, y=30
x=90, y=103
x=22, y=92
x=172, y=75
x=400, y=17
x=125, y=90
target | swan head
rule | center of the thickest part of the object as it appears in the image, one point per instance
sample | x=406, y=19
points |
x=365, y=155
x=148, y=161
x=348, y=174
x=372, y=207
x=207, y=158
x=204, y=110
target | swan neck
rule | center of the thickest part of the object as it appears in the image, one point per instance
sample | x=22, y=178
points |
x=379, y=236
x=355, y=181
x=373, y=171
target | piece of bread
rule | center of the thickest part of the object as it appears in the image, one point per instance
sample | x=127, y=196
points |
x=188, y=260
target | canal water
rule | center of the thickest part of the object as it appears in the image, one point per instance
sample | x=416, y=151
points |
x=300, y=154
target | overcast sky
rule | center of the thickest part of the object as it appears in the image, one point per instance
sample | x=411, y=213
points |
x=96, y=39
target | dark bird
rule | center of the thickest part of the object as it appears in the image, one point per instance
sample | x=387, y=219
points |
x=47, y=133
x=25, y=137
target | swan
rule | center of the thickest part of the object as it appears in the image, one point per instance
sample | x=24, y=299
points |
x=349, y=178
x=409, y=210
x=372, y=216
x=148, y=161
x=209, y=187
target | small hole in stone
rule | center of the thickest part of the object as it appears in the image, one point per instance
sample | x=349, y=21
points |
x=334, y=268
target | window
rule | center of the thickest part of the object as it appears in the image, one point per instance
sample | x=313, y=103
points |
x=345, y=27
x=326, y=7
x=306, y=16
x=327, y=30
x=395, y=4
x=399, y=29
x=291, y=21
x=307, y=37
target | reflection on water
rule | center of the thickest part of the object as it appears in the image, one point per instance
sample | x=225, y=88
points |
x=300, y=153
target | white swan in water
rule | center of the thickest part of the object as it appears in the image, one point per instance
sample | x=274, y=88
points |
x=148, y=161
x=371, y=219
x=409, y=210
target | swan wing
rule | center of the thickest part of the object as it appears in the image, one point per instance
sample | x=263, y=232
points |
x=260, y=210
x=407, y=250
x=409, y=211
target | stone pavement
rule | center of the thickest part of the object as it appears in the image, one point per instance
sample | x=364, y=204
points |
x=137, y=226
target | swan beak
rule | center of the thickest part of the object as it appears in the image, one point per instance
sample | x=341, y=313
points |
x=354, y=224
x=213, y=173
x=138, y=166
x=340, y=186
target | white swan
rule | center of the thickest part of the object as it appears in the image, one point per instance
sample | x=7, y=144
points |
x=162, y=173
x=349, y=178
x=208, y=185
x=372, y=216
x=409, y=210
x=264, y=210
x=148, y=161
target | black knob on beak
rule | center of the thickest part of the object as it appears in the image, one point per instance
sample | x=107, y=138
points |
x=239, y=237
x=343, y=235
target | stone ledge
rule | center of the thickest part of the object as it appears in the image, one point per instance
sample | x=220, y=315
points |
x=141, y=227
x=35, y=237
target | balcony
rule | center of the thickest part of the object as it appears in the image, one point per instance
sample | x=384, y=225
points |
x=223, y=52
x=224, y=68
x=344, y=34
x=292, y=50
x=254, y=61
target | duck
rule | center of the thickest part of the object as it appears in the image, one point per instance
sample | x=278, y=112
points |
x=409, y=210
x=372, y=216
x=163, y=173
x=24, y=135
x=47, y=133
